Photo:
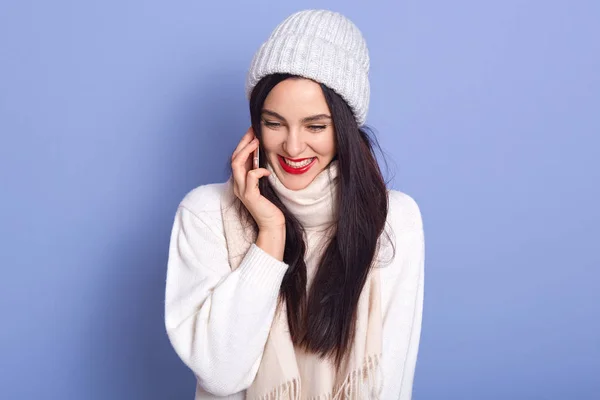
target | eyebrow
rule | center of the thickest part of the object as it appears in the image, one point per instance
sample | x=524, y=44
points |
x=312, y=118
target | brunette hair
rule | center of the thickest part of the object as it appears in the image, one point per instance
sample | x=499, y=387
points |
x=323, y=320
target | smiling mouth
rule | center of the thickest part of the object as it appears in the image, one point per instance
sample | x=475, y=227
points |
x=296, y=166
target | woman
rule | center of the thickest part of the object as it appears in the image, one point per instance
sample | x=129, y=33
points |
x=301, y=277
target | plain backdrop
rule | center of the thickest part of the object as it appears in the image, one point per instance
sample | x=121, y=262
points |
x=488, y=111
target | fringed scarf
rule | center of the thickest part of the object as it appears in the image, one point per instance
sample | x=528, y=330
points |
x=287, y=372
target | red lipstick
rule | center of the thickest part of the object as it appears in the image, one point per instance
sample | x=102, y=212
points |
x=296, y=171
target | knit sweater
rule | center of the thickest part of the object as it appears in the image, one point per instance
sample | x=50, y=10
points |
x=218, y=321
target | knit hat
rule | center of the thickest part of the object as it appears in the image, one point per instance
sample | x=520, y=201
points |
x=320, y=45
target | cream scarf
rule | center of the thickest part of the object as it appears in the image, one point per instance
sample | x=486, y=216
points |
x=287, y=372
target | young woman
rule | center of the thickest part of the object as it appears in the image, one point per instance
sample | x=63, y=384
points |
x=301, y=277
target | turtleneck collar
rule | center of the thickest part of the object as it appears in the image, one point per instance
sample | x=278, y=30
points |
x=314, y=206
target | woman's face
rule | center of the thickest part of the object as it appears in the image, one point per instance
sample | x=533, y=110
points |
x=297, y=132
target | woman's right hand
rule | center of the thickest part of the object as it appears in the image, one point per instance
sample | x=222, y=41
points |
x=267, y=216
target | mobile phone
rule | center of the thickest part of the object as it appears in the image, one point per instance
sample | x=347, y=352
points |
x=257, y=158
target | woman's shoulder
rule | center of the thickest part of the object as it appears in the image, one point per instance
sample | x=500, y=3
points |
x=204, y=199
x=404, y=213
x=404, y=229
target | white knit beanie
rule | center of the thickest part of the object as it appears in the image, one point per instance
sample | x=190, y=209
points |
x=320, y=45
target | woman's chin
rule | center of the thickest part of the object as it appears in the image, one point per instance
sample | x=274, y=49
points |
x=295, y=185
x=295, y=182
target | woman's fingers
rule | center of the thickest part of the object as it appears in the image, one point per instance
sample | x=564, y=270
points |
x=240, y=164
x=248, y=136
x=252, y=178
x=243, y=155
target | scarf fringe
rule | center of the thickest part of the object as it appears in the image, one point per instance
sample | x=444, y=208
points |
x=364, y=380
x=288, y=390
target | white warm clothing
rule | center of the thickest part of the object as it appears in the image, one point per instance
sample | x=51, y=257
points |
x=218, y=320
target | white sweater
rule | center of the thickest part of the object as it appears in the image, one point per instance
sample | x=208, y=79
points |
x=218, y=321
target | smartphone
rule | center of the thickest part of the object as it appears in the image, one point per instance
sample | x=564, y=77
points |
x=257, y=158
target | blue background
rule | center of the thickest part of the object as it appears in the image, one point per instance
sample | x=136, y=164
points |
x=111, y=111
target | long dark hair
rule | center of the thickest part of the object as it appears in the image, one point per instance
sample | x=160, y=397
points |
x=323, y=320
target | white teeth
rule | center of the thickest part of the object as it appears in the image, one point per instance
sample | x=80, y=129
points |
x=298, y=164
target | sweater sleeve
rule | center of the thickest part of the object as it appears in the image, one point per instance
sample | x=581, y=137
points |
x=217, y=320
x=402, y=301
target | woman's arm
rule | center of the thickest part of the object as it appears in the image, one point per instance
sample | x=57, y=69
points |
x=402, y=300
x=217, y=320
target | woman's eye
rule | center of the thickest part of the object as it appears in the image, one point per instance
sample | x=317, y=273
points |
x=317, y=128
x=272, y=124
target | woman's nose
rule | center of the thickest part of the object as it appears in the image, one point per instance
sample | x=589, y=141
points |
x=294, y=144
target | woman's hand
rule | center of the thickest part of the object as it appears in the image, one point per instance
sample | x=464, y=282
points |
x=267, y=216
